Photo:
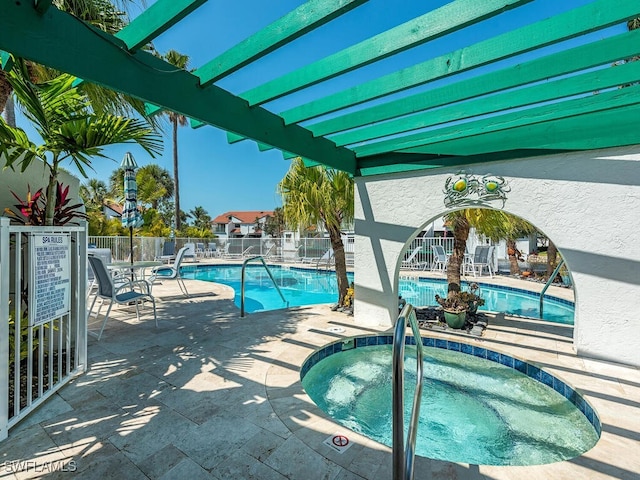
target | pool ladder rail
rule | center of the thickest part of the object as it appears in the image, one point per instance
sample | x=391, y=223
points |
x=403, y=459
x=549, y=282
x=244, y=265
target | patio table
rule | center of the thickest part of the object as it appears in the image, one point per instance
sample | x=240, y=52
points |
x=127, y=267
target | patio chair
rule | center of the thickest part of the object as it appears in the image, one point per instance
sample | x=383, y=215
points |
x=92, y=283
x=481, y=259
x=412, y=260
x=440, y=258
x=168, y=252
x=171, y=272
x=200, y=250
x=212, y=250
x=271, y=255
x=190, y=253
x=125, y=294
x=326, y=260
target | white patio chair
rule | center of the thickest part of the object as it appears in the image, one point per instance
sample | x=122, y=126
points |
x=171, y=272
x=125, y=294
x=440, y=258
x=212, y=250
x=480, y=260
x=190, y=253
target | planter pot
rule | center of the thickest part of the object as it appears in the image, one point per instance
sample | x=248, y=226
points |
x=455, y=319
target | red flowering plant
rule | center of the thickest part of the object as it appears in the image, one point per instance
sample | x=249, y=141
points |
x=32, y=209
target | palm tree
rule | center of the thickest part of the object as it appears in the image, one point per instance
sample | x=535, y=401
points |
x=320, y=195
x=154, y=185
x=94, y=194
x=275, y=225
x=180, y=61
x=70, y=130
x=493, y=224
x=201, y=219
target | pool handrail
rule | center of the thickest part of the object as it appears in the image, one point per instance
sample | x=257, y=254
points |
x=244, y=264
x=403, y=459
x=549, y=282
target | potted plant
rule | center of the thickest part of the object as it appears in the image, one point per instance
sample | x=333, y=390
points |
x=458, y=304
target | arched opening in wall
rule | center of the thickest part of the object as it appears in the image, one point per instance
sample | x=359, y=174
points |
x=485, y=260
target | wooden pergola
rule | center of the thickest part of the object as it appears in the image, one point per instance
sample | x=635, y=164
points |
x=565, y=99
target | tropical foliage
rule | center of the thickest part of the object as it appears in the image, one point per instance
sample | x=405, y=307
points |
x=32, y=209
x=320, y=196
x=69, y=128
x=201, y=219
x=493, y=224
x=275, y=225
x=109, y=16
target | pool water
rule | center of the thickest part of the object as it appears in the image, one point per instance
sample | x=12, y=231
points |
x=472, y=411
x=310, y=287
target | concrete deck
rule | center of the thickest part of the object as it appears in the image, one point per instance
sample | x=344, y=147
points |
x=210, y=395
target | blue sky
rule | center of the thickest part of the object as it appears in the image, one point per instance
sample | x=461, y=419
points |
x=222, y=177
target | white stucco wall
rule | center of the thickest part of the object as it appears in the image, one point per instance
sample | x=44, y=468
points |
x=588, y=203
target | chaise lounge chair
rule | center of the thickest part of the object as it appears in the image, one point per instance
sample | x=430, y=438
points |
x=412, y=260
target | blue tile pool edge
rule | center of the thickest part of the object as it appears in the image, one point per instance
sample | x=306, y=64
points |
x=520, y=365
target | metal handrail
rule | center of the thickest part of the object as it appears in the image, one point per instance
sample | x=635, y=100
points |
x=549, y=282
x=244, y=264
x=403, y=459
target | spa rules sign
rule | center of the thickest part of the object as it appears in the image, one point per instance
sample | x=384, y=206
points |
x=50, y=285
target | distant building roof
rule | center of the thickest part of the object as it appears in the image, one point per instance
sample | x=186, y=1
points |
x=244, y=217
x=114, y=207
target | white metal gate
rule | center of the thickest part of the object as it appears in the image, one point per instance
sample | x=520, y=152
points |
x=37, y=357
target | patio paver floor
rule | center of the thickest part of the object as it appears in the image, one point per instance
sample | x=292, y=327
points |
x=211, y=395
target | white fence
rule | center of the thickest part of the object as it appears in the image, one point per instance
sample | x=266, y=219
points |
x=286, y=248
x=42, y=307
x=420, y=252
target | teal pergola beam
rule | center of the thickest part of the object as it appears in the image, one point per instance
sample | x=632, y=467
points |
x=567, y=25
x=303, y=19
x=430, y=26
x=600, y=52
x=65, y=43
x=155, y=20
x=42, y=6
x=467, y=133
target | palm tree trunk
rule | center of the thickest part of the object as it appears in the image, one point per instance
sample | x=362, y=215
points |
x=10, y=112
x=175, y=173
x=52, y=192
x=5, y=91
x=552, y=258
x=461, y=229
x=341, y=263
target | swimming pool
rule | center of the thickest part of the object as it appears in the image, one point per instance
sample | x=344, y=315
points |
x=478, y=406
x=311, y=287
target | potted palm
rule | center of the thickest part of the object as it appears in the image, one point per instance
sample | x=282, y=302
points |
x=458, y=304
